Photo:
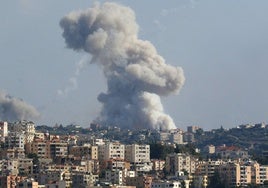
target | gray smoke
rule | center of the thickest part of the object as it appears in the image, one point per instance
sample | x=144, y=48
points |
x=14, y=109
x=136, y=74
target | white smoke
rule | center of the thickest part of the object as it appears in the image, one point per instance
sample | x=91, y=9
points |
x=72, y=82
x=14, y=109
x=136, y=75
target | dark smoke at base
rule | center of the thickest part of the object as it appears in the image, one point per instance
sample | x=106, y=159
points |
x=14, y=109
x=136, y=75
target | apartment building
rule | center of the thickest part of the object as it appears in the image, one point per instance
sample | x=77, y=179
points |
x=84, y=180
x=27, y=183
x=207, y=168
x=115, y=177
x=167, y=184
x=235, y=174
x=26, y=127
x=137, y=153
x=86, y=151
x=158, y=164
x=239, y=173
x=140, y=181
x=91, y=166
x=179, y=162
x=116, y=164
x=231, y=152
x=41, y=148
x=112, y=150
x=15, y=140
x=10, y=181
x=3, y=130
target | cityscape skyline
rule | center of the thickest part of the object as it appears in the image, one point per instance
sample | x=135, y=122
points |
x=221, y=46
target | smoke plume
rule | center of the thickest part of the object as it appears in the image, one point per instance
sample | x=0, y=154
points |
x=14, y=109
x=136, y=75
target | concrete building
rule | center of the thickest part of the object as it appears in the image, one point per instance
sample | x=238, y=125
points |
x=139, y=181
x=26, y=127
x=27, y=183
x=115, y=177
x=207, y=168
x=177, y=137
x=137, y=153
x=86, y=151
x=84, y=180
x=41, y=148
x=114, y=150
x=167, y=184
x=158, y=165
x=210, y=149
x=91, y=166
x=56, y=184
x=10, y=181
x=180, y=162
x=3, y=130
x=231, y=152
x=15, y=140
x=58, y=149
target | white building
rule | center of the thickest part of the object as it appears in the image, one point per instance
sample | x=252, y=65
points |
x=180, y=162
x=137, y=153
x=168, y=184
x=15, y=140
x=3, y=130
x=26, y=127
x=115, y=176
x=84, y=179
x=139, y=157
x=114, y=150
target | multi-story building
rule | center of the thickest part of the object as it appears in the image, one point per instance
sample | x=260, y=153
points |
x=10, y=167
x=116, y=164
x=86, y=151
x=3, y=130
x=207, y=168
x=180, y=162
x=115, y=177
x=15, y=140
x=235, y=174
x=158, y=164
x=170, y=184
x=91, y=166
x=27, y=183
x=231, y=152
x=10, y=181
x=239, y=173
x=192, y=129
x=58, y=149
x=84, y=180
x=177, y=137
x=113, y=150
x=41, y=148
x=139, y=157
x=263, y=174
x=26, y=127
x=140, y=181
x=137, y=153
x=210, y=149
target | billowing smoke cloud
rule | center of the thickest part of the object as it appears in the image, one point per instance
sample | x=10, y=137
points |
x=136, y=74
x=14, y=109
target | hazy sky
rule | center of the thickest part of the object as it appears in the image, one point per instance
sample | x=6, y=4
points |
x=222, y=47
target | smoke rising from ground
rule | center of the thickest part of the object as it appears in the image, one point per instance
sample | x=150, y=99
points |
x=136, y=75
x=14, y=109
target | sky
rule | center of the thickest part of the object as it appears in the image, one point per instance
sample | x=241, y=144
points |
x=222, y=47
